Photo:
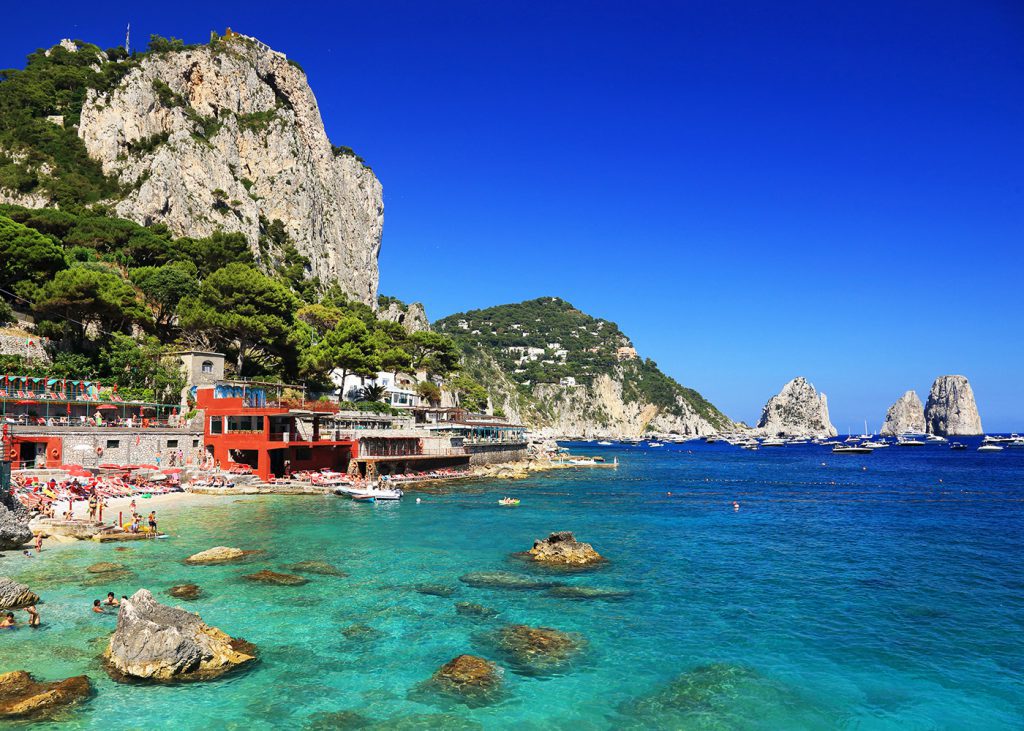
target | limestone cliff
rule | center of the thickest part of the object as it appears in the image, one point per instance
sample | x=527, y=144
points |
x=412, y=317
x=228, y=136
x=951, y=409
x=563, y=372
x=906, y=415
x=797, y=410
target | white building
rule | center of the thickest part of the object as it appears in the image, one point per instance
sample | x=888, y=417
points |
x=400, y=393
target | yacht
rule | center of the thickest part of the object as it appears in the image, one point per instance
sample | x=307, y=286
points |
x=909, y=439
x=655, y=444
x=957, y=445
x=851, y=449
x=990, y=448
x=604, y=443
x=773, y=442
x=876, y=444
x=1017, y=443
x=935, y=438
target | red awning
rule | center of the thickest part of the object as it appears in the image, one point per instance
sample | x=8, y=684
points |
x=106, y=406
x=24, y=402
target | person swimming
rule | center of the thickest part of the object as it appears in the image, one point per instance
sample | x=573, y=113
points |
x=97, y=608
x=111, y=601
x=8, y=621
x=33, y=615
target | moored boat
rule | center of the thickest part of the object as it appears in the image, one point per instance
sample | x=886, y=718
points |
x=990, y=448
x=851, y=449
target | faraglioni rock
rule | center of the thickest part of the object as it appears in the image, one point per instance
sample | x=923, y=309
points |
x=228, y=136
x=562, y=548
x=797, y=410
x=906, y=415
x=951, y=410
x=156, y=642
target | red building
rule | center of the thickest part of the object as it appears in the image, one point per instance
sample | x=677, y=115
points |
x=240, y=428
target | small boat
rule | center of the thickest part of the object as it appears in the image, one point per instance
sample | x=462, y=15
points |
x=909, y=442
x=774, y=442
x=990, y=448
x=604, y=443
x=378, y=493
x=655, y=444
x=876, y=445
x=935, y=438
x=508, y=501
x=852, y=449
x=957, y=445
x=1016, y=444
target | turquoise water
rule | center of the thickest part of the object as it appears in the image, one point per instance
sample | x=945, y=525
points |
x=837, y=597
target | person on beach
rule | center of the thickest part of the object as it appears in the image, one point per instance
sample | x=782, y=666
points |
x=111, y=601
x=92, y=505
x=152, y=522
x=135, y=523
x=8, y=621
x=132, y=507
x=97, y=608
x=39, y=543
x=158, y=455
x=33, y=615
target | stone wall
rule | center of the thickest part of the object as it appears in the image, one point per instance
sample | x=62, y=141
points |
x=495, y=453
x=119, y=446
x=27, y=346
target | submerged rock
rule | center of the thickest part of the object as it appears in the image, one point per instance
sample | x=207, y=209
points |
x=951, y=409
x=272, y=577
x=156, y=642
x=361, y=632
x=469, y=609
x=562, y=548
x=337, y=721
x=587, y=592
x=219, y=554
x=443, y=590
x=797, y=410
x=504, y=580
x=14, y=595
x=189, y=592
x=105, y=567
x=468, y=678
x=537, y=649
x=22, y=696
x=321, y=568
x=906, y=415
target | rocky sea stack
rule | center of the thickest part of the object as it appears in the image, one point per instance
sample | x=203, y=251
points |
x=797, y=410
x=562, y=549
x=951, y=409
x=155, y=642
x=906, y=415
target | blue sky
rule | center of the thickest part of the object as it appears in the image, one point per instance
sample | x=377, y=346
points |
x=753, y=191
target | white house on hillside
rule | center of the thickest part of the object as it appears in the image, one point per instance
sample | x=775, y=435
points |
x=400, y=393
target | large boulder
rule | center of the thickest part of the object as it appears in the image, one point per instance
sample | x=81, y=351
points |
x=562, y=548
x=155, y=642
x=797, y=410
x=951, y=409
x=219, y=554
x=14, y=530
x=14, y=595
x=23, y=697
x=906, y=415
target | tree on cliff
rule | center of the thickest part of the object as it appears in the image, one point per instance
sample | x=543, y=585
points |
x=433, y=352
x=239, y=308
x=468, y=393
x=164, y=287
x=347, y=347
x=27, y=257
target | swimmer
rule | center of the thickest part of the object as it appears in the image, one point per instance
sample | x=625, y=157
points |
x=735, y=505
x=26, y=554
x=418, y=500
x=8, y=621
x=33, y=615
x=97, y=608
x=110, y=601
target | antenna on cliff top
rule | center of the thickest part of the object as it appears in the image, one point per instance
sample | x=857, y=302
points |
x=127, y=40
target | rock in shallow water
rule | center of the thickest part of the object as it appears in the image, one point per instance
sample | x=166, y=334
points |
x=188, y=592
x=587, y=592
x=105, y=567
x=442, y=590
x=467, y=678
x=361, y=632
x=219, y=554
x=272, y=577
x=469, y=609
x=537, y=650
x=562, y=548
x=320, y=568
x=160, y=643
x=504, y=580
x=21, y=696
x=14, y=595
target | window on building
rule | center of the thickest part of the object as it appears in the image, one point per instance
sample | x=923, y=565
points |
x=172, y=443
x=195, y=443
x=207, y=366
x=113, y=443
x=216, y=425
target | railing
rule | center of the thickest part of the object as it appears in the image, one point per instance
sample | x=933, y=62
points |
x=65, y=424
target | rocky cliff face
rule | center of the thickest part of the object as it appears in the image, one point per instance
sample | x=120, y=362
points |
x=906, y=415
x=413, y=317
x=221, y=137
x=951, y=409
x=797, y=410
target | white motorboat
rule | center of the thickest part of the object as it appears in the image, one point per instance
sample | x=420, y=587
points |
x=604, y=443
x=851, y=449
x=365, y=493
x=773, y=442
x=880, y=444
x=655, y=444
x=909, y=440
x=1016, y=444
x=935, y=438
x=990, y=448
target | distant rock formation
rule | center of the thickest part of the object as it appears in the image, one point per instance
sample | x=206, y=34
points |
x=412, y=317
x=906, y=415
x=797, y=410
x=951, y=410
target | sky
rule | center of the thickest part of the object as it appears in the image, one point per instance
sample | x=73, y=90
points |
x=752, y=190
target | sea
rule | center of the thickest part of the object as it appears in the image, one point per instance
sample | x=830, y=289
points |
x=880, y=591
